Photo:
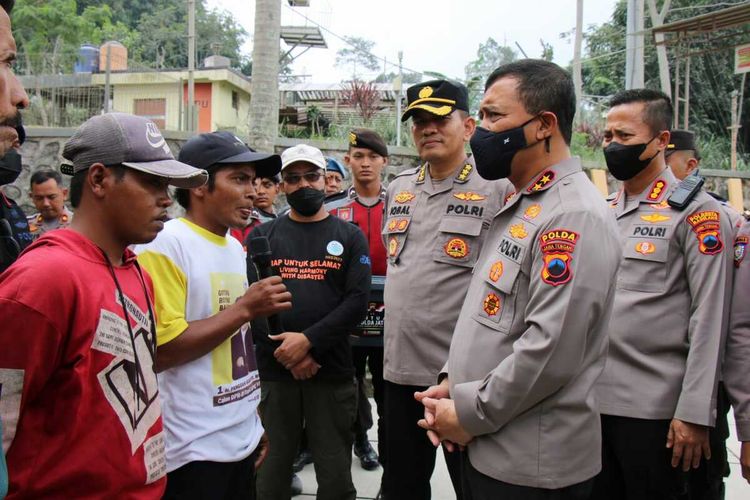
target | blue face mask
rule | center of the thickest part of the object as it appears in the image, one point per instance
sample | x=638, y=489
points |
x=494, y=151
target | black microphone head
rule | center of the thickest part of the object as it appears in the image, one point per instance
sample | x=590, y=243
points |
x=260, y=249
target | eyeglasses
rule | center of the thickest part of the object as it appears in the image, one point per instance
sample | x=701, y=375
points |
x=310, y=177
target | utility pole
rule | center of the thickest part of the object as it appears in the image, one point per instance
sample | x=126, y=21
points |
x=264, y=85
x=577, y=77
x=657, y=19
x=398, y=89
x=108, y=70
x=634, y=45
x=190, y=108
x=735, y=126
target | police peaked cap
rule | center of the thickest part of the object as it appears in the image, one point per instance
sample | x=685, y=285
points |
x=439, y=97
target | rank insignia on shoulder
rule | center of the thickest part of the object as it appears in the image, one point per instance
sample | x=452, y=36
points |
x=463, y=174
x=542, y=182
x=532, y=212
x=739, y=249
x=456, y=248
x=707, y=229
x=491, y=304
x=557, y=249
x=469, y=196
x=404, y=197
x=657, y=190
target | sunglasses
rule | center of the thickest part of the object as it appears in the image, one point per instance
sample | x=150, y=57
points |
x=310, y=177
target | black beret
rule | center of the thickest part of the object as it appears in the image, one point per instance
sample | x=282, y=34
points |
x=365, y=138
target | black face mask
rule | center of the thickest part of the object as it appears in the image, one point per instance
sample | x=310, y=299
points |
x=10, y=167
x=624, y=162
x=306, y=201
x=494, y=151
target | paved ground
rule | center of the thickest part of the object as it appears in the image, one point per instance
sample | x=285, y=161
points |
x=368, y=482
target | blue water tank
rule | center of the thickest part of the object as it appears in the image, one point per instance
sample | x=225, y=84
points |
x=88, y=59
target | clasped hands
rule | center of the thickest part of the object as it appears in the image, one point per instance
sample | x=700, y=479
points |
x=440, y=418
x=294, y=354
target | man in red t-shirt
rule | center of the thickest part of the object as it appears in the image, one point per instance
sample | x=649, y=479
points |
x=362, y=204
x=79, y=398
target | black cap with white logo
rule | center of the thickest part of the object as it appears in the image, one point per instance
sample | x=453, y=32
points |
x=214, y=149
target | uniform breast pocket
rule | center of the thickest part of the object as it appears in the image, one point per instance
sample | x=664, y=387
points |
x=644, y=265
x=394, y=234
x=458, y=241
x=496, y=306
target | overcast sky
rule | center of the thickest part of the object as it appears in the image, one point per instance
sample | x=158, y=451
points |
x=437, y=35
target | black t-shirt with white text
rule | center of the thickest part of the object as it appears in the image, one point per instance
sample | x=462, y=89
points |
x=326, y=267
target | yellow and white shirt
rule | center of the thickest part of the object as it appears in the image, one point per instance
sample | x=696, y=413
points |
x=209, y=404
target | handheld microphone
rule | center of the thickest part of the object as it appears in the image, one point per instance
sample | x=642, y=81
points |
x=260, y=249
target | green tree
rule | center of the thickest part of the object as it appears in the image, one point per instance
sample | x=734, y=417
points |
x=408, y=77
x=711, y=70
x=359, y=53
x=490, y=55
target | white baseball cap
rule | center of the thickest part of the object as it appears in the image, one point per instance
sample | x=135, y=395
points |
x=302, y=153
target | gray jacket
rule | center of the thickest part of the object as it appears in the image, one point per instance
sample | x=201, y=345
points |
x=532, y=335
x=432, y=232
x=670, y=308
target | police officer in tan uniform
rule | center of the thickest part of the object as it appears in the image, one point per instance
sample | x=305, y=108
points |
x=47, y=192
x=707, y=481
x=657, y=394
x=531, y=338
x=737, y=357
x=434, y=224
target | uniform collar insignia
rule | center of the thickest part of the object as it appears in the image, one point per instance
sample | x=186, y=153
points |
x=542, y=182
x=422, y=174
x=463, y=175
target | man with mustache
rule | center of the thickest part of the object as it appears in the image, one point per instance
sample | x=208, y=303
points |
x=208, y=374
x=434, y=224
x=14, y=230
x=48, y=194
x=657, y=393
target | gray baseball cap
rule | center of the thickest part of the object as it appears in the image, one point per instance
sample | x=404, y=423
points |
x=131, y=141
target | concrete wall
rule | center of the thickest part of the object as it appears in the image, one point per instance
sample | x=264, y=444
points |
x=44, y=147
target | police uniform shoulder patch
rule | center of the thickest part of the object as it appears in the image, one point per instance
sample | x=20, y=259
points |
x=542, y=182
x=739, y=249
x=707, y=229
x=557, y=250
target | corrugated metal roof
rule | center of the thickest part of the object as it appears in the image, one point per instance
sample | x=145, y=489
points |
x=720, y=19
x=330, y=91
